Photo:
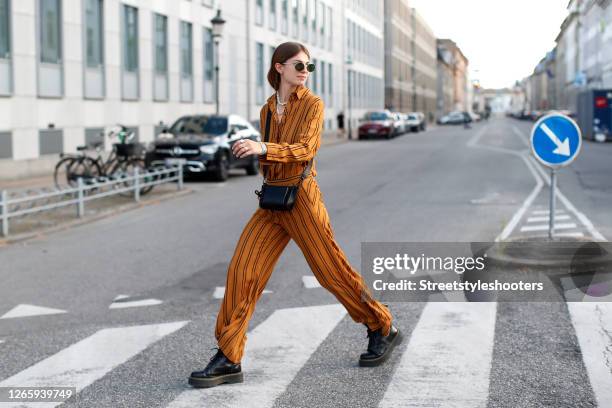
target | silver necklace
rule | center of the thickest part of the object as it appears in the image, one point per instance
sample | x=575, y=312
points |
x=278, y=100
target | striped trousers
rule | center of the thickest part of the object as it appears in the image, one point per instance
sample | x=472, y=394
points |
x=260, y=245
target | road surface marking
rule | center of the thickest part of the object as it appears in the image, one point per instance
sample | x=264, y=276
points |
x=545, y=219
x=310, y=282
x=135, y=303
x=547, y=212
x=448, y=359
x=569, y=234
x=88, y=360
x=544, y=227
x=275, y=352
x=220, y=292
x=24, y=310
x=593, y=324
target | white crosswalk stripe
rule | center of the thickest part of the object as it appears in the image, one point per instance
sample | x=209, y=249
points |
x=25, y=310
x=275, y=351
x=448, y=359
x=547, y=218
x=89, y=359
x=544, y=227
x=593, y=324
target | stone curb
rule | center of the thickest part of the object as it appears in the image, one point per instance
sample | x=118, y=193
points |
x=506, y=254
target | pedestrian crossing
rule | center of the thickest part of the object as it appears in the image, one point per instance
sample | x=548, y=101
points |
x=444, y=361
x=535, y=223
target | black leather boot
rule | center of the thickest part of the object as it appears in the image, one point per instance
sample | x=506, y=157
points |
x=218, y=371
x=379, y=347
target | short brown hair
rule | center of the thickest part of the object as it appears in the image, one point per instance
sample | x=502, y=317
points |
x=281, y=54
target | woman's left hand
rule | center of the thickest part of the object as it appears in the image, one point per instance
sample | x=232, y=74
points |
x=245, y=147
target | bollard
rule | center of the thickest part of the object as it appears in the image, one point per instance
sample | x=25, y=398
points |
x=136, y=184
x=4, y=212
x=80, y=203
x=180, y=176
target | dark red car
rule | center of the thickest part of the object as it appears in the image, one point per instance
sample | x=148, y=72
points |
x=377, y=124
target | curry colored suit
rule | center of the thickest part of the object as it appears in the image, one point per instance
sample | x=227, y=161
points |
x=292, y=143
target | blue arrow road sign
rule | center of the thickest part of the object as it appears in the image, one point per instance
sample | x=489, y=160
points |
x=555, y=140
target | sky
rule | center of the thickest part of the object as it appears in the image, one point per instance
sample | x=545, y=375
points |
x=502, y=39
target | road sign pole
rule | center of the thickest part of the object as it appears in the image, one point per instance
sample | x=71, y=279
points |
x=551, y=217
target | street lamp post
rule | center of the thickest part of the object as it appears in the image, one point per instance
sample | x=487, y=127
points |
x=349, y=62
x=217, y=30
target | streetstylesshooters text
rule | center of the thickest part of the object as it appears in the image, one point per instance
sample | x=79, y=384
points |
x=459, y=265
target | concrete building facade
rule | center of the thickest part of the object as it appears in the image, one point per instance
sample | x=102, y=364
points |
x=364, y=72
x=460, y=63
x=445, y=88
x=410, y=60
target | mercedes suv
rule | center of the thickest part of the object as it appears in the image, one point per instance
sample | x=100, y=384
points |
x=203, y=144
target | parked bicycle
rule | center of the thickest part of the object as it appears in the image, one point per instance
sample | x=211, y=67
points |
x=121, y=162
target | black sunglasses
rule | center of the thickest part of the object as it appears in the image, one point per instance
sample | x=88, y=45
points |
x=299, y=66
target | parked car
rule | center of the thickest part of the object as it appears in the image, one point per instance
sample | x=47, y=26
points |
x=413, y=122
x=422, y=120
x=453, y=118
x=399, y=122
x=203, y=144
x=378, y=124
x=474, y=116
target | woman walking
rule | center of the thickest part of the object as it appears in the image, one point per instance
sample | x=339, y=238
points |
x=295, y=125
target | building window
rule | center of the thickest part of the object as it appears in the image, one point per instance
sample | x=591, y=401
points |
x=259, y=12
x=160, y=44
x=50, y=27
x=186, y=45
x=50, y=81
x=6, y=145
x=284, y=16
x=272, y=21
x=5, y=32
x=94, y=49
x=322, y=28
x=330, y=24
x=130, y=39
x=131, y=89
x=330, y=89
x=93, y=30
x=314, y=10
x=314, y=76
x=5, y=48
x=322, y=77
x=50, y=141
x=294, y=18
x=209, y=92
x=259, y=50
x=305, y=20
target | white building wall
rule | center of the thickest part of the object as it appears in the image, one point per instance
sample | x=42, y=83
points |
x=24, y=113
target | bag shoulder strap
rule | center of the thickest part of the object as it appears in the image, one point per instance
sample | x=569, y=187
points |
x=268, y=117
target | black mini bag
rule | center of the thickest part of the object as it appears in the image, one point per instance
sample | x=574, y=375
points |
x=276, y=197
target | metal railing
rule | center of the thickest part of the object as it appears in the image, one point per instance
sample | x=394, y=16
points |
x=30, y=204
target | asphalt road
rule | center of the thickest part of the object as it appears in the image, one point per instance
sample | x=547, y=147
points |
x=447, y=184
